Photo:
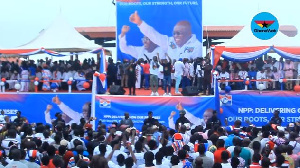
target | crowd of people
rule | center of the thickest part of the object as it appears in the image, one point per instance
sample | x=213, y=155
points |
x=212, y=145
x=51, y=74
x=152, y=73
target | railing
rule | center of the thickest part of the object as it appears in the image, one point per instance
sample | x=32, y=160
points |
x=17, y=84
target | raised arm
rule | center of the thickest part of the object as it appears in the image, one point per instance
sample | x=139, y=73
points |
x=150, y=32
x=169, y=59
x=159, y=60
x=147, y=58
x=47, y=114
x=131, y=50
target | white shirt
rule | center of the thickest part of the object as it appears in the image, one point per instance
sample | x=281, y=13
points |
x=67, y=75
x=138, y=52
x=154, y=70
x=178, y=67
x=191, y=49
x=2, y=119
x=200, y=72
x=243, y=74
x=260, y=75
x=224, y=75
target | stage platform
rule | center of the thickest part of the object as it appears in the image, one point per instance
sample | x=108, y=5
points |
x=256, y=106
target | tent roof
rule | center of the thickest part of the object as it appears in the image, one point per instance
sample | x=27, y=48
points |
x=245, y=38
x=60, y=37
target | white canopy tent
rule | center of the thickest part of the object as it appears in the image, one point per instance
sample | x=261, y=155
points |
x=60, y=37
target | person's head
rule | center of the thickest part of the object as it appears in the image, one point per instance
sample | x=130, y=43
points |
x=235, y=162
x=224, y=156
x=58, y=115
x=149, y=157
x=215, y=113
x=276, y=113
x=237, y=150
x=256, y=158
x=220, y=143
x=18, y=114
x=279, y=160
x=98, y=161
x=237, y=123
x=182, y=154
x=174, y=160
x=16, y=154
x=182, y=113
x=150, y=114
x=126, y=115
x=58, y=161
x=182, y=32
x=198, y=162
x=138, y=146
x=2, y=112
x=128, y=162
x=159, y=157
x=120, y=159
x=79, y=149
x=201, y=149
x=148, y=44
x=154, y=58
x=207, y=114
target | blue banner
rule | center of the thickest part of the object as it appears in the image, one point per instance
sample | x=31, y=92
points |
x=259, y=108
x=112, y=108
x=33, y=106
x=175, y=27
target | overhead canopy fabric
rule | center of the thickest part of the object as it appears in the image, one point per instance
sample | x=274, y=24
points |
x=58, y=37
x=245, y=47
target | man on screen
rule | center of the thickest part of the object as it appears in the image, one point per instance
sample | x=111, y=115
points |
x=149, y=48
x=183, y=44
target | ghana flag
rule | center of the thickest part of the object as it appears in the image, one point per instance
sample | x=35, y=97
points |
x=264, y=23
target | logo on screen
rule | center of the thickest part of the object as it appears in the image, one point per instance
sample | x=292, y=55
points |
x=264, y=26
x=104, y=103
x=226, y=100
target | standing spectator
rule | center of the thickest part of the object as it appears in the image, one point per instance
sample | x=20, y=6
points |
x=224, y=76
x=146, y=68
x=186, y=74
x=126, y=121
x=80, y=79
x=24, y=77
x=288, y=68
x=280, y=67
x=207, y=78
x=131, y=71
x=178, y=68
x=32, y=74
x=111, y=72
x=276, y=77
x=220, y=149
x=154, y=70
x=138, y=74
x=200, y=73
x=57, y=76
x=167, y=67
x=46, y=76
x=124, y=73
x=243, y=74
x=16, y=156
x=261, y=75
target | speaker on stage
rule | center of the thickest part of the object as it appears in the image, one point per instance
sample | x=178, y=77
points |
x=116, y=90
x=190, y=91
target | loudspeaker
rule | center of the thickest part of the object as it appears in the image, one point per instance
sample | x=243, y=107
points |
x=116, y=90
x=190, y=91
